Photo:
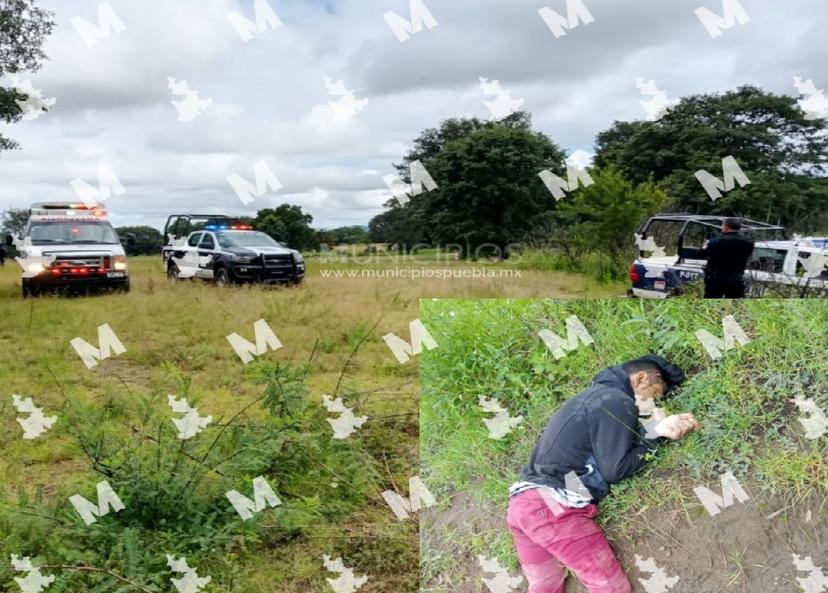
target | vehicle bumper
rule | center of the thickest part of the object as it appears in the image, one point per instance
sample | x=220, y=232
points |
x=80, y=281
x=270, y=275
x=644, y=293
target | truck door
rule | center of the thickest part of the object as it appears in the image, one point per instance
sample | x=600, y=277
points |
x=206, y=255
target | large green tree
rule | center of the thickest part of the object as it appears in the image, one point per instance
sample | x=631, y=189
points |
x=488, y=185
x=13, y=221
x=783, y=153
x=488, y=189
x=148, y=240
x=397, y=227
x=405, y=225
x=287, y=224
x=23, y=27
x=349, y=235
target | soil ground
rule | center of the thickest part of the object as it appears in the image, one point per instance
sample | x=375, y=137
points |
x=747, y=547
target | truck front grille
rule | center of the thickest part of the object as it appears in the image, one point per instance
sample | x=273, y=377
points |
x=273, y=260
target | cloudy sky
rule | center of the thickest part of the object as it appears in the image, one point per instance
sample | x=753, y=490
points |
x=269, y=98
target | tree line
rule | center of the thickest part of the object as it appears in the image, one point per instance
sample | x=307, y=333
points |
x=489, y=191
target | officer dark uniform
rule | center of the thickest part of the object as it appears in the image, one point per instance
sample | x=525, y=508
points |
x=727, y=257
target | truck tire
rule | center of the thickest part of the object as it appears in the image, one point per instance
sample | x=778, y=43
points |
x=223, y=277
x=124, y=287
x=173, y=272
x=27, y=290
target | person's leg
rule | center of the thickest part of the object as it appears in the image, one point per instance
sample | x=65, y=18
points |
x=573, y=538
x=543, y=572
x=713, y=289
x=735, y=289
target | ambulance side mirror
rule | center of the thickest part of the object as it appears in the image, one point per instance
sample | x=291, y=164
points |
x=131, y=241
x=9, y=240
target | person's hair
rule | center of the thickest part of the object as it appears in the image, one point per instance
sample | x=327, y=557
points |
x=636, y=366
x=733, y=223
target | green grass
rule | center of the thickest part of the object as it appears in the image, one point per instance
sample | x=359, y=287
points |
x=749, y=426
x=175, y=339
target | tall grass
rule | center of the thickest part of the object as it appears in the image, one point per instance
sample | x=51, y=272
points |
x=491, y=348
x=114, y=424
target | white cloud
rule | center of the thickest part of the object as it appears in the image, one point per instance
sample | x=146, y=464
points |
x=113, y=101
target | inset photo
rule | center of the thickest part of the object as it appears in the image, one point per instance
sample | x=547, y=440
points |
x=621, y=446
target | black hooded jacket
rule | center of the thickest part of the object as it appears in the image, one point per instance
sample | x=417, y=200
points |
x=598, y=427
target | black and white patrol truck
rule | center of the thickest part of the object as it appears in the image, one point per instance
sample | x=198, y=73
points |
x=223, y=250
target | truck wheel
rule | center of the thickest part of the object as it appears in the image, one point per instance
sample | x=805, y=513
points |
x=27, y=289
x=222, y=277
x=173, y=273
x=124, y=287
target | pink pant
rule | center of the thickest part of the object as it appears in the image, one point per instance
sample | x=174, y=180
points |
x=549, y=536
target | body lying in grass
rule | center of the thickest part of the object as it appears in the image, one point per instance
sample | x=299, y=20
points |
x=593, y=440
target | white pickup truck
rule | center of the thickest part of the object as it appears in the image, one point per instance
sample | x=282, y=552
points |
x=670, y=249
x=69, y=246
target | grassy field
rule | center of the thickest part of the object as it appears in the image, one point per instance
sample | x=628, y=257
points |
x=114, y=424
x=743, y=401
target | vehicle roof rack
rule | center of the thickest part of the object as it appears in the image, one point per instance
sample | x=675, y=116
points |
x=715, y=220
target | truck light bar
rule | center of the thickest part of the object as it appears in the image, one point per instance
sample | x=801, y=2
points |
x=224, y=227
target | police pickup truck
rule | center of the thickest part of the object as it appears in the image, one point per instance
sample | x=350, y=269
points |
x=221, y=249
x=670, y=256
x=69, y=246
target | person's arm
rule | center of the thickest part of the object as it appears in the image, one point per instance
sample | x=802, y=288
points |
x=616, y=441
x=709, y=247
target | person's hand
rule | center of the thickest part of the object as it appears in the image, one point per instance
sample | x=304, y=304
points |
x=658, y=414
x=676, y=426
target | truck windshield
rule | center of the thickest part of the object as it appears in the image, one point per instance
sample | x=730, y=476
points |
x=246, y=239
x=73, y=232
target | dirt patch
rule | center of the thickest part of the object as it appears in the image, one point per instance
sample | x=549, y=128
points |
x=446, y=538
x=746, y=547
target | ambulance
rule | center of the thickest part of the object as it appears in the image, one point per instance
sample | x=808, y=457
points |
x=69, y=246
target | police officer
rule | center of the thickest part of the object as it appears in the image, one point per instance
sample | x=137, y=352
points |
x=727, y=257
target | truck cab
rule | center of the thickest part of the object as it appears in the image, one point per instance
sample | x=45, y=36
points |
x=69, y=246
x=670, y=253
x=227, y=251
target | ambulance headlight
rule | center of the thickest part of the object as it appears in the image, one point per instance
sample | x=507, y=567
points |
x=119, y=263
x=35, y=268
